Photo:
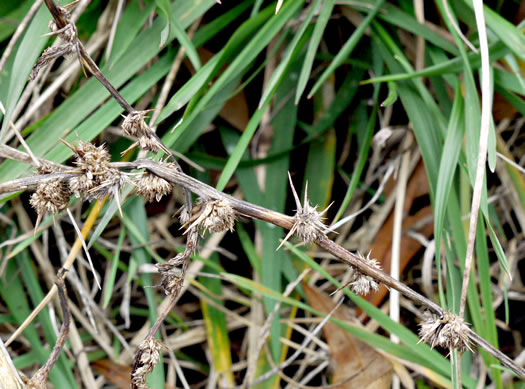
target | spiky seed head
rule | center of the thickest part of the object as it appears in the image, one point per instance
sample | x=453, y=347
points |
x=449, y=331
x=308, y=223
x=90, y=157
x=361, y=283
x=99, y=178
x=221, y=216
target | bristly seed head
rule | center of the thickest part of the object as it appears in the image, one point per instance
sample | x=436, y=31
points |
x=152, y=187
x=308, y=223
x=149, y=351
x=448, y=331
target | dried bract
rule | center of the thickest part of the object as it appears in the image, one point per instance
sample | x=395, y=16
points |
x=149, y=351
x=449, y=331
x=48, y=56
x=70, y=37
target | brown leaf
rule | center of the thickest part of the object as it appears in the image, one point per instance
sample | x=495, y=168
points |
x=355, y=364
x=117, y=374
x=381, y=249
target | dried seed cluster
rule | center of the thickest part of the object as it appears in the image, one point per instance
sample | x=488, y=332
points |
x=361, y=283
x=152, y=187
x=449, y=331
x=135, y=125
x=212, y=215
x=69, y=36
x=99, y=179
x=149, y=351
x=51, y=196
x=172, y=276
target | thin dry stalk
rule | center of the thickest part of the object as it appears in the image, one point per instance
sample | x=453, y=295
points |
x=486, y=110
x=39, y=380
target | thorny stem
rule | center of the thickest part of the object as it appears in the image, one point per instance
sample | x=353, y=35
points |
x=244, y=208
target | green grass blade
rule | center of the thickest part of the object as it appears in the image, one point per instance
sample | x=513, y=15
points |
x=348, y=47
x=110, y=281
x=320, y=25
x=447, y=167
x=18, y=67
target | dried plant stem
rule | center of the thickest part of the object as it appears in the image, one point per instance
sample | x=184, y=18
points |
x=244, y=208
x=486, y=109
x=209, y=194
x=39, y=380
x=73, y=254
x=86, y=60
